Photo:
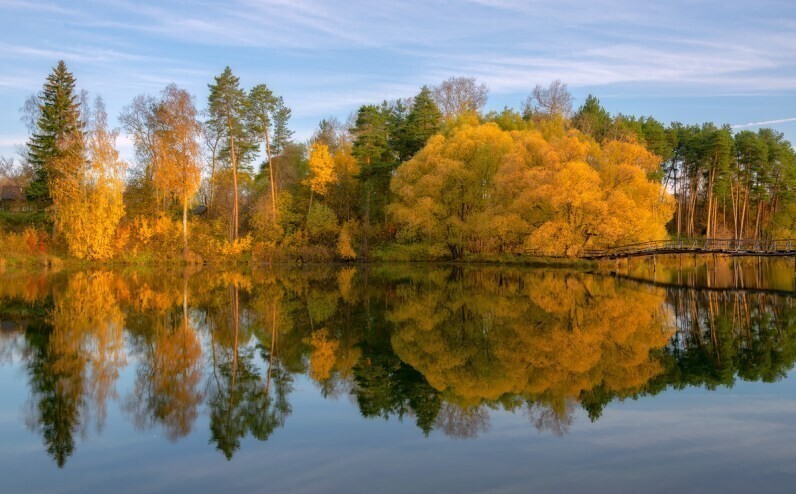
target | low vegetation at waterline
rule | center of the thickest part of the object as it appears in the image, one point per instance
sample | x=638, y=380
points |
x=428, y=177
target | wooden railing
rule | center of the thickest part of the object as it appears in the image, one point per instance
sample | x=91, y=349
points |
x=700, y=245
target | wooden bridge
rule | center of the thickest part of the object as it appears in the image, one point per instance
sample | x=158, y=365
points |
x=733, y=247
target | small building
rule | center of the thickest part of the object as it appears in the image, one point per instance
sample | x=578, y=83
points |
x=12, y=197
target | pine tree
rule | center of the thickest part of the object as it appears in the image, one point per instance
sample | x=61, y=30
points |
x=227, y=105
x=282, y=134
x=262, y=103
x=395, y=114
x=371, y=144
x=267, y=121
x=424, y=120
x=592, y=119
x=370, y=138
x=58, y=122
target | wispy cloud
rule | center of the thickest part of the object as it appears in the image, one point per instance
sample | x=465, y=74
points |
x=764, y=122
x=329, y=57
x=74, y=54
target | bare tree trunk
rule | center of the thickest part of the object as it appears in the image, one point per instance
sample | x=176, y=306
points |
x=235, y=189
x=185, y=224
x=679, y=201
x=757, y=220
x=708, y=231
x=744, y=208
x=271, y=173
x=309, y=210
x=212, y=185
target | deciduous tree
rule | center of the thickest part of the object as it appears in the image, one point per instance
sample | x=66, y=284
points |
x=460, y=95
x=178, y=150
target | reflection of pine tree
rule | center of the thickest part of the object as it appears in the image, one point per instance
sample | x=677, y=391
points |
x=240, y=405
x=386, y=386
x=73, y=364
x=56, y=398
x=722, y=336
x=241, y=400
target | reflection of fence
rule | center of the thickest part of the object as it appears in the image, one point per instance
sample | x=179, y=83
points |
x=735, y=287
x=735, y=247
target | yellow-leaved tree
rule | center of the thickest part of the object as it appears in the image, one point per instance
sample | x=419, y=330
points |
x=321, y=166
x=178, y=151
x=321, y=221
x=549, y=190
x=87, y=189
x=443, y=191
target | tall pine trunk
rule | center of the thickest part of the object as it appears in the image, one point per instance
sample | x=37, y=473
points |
x=271, y=173
x=234, y=188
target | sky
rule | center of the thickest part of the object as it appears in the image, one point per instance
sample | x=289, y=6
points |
x=679, y=60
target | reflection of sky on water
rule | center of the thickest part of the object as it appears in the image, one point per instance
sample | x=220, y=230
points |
x=729, y=440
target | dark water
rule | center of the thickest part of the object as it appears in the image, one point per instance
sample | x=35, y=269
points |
x=416, y=378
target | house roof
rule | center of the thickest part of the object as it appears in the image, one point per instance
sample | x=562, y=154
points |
x=10, y=192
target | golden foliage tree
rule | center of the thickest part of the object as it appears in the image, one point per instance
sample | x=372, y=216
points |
x=322, y=167
x=550, y=190
x=178, y=151
x=87, y=190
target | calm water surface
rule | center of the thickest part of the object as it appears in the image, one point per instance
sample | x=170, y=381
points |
x=418, y=378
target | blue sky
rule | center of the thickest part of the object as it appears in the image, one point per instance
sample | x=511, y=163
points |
x=690, y=61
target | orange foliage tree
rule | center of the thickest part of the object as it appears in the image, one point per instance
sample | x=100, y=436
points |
x=87, y=189
x=178, y=150
x=549, y=190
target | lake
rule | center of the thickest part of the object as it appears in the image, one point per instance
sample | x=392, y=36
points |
x=400, y=378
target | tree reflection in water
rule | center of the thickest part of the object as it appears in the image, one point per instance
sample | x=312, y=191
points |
x=441, y=346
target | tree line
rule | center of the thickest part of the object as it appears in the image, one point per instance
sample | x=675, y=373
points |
x=426, y=177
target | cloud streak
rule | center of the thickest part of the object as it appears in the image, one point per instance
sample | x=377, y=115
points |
x=326, y=57
x=764, y=122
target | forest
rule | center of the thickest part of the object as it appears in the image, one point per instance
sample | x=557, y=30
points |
x=428, y=177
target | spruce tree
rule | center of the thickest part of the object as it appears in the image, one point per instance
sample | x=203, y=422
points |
x=370, y=148
x=58, y=122
x=371, y=138
x=423, y=121
x=592, y=119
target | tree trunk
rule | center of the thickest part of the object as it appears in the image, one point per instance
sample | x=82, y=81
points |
x=212, y=184
x=185, y=225
x=364, y=254
x=708, y=231
x=271, y=174
x=309, y=210
x=235, y=188
x=679, y=194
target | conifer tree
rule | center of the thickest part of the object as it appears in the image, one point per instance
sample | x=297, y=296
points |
x=56, y=129
x=424, y=120
x=227, y=107
x=371, y=144
x=262, y=105
x=592, y=119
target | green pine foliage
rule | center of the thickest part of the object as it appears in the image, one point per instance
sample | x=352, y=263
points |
x=59, y=119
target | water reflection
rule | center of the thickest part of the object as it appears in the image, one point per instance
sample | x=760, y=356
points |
x=438, y=346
